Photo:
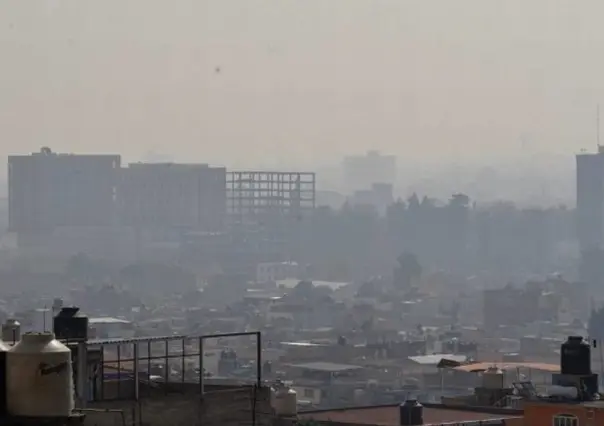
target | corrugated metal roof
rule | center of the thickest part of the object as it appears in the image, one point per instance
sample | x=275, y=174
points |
x=434, y=359
x=482, y=366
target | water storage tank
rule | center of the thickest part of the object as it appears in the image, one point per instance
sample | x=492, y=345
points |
x=70, y=324
x=567, y=392
x=275, y=392
x=289, y=403
x=492, y=378
x=39, y=377
x=3, y=351
x=285, y=401
x=11, y=331
x=575, y=357
x=411, y=413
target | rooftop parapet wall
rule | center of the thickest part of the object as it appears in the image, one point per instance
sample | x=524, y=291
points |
x=224, y=407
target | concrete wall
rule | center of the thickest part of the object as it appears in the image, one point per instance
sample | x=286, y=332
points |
x=50, y=190
x=227, y=407
x=170, y=195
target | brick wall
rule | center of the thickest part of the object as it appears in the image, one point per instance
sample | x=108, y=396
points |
x=508, y=422
x=228, y=407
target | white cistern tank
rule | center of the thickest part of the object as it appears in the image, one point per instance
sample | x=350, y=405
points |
x=11, y=331
x=39, y=380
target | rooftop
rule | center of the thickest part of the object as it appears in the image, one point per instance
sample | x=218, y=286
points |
x=434, y=359
x=107, y=320
x=304, y=344
x=327, y=366
x=389, y=415
x=482, y=366
x=140, y=165
x=293, y=282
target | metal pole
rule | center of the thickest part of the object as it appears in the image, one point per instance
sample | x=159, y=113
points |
x=149, y=365
x=254, y=396
x=183, y=364
x=136, y=374
x=102, y=386
x=167, y=367
x=259, y=358
x=119, y=370
x=201, y=366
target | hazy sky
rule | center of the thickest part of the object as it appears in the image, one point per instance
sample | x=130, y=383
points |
x=239, y=82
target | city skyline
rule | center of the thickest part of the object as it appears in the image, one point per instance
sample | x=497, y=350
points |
x=284, y=82
x=544, y=183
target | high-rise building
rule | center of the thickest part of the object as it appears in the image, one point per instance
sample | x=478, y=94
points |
x=590, y=200
x=361, y=172
x=49, y=190
x=169, y=195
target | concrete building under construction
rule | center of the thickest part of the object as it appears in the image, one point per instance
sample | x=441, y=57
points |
x=269, y=199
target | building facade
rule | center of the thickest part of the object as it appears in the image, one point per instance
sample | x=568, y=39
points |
x=590, y=200
x=361, y=172
x=49, y=190
x=167, y=195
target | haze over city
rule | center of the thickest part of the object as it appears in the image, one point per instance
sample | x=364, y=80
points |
x=301, y=213
x=262, y=83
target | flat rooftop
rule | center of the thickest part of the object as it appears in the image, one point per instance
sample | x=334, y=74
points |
x=389, y=415
x=434, y=359
x=328, y=367
x=107, y=320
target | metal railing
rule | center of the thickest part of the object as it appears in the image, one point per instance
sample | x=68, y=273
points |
x=119, y=377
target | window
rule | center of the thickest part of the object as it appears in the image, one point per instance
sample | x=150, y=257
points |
x=565, y=420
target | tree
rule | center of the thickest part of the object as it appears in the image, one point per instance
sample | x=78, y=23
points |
x=408, y=270
x=304, y=289
x=413, y=202
x=428, y=203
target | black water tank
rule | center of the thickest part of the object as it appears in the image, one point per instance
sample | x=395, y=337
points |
x=575, y=357
x=411, y=413
x=3, y=396
x=69, y=324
